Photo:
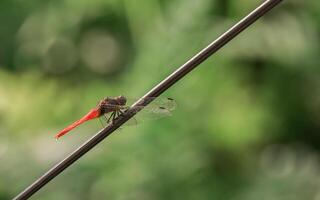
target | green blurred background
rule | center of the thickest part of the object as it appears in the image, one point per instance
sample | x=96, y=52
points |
x=247, y=121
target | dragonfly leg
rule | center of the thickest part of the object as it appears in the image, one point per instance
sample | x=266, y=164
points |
x=111, y=117
x=118, y=112
x=121, y=112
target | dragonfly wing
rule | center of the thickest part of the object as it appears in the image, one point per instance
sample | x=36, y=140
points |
x=132, y=122
x=158, y=108
x=151, y=113
x=167, y=103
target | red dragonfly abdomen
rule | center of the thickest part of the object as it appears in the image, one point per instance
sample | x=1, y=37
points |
x=94, y=113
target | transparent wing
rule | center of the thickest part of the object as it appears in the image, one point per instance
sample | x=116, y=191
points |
x=158, y=108
x=167, y=103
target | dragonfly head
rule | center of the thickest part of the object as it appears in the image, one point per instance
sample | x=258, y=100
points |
x=121, y=100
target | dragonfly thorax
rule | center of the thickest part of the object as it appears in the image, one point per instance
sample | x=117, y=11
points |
x=110, y=104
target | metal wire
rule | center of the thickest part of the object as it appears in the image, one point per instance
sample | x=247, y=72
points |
x=154, y=92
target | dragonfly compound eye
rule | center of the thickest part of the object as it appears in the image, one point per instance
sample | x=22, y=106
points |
x=122, y=100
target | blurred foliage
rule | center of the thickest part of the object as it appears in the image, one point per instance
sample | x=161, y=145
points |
x=247, y=122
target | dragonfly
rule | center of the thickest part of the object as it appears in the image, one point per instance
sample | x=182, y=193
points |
x=112, y=107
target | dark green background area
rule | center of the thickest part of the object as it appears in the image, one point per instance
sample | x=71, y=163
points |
x=247, y=120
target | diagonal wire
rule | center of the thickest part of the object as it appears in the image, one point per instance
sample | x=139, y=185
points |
x=154, y=92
